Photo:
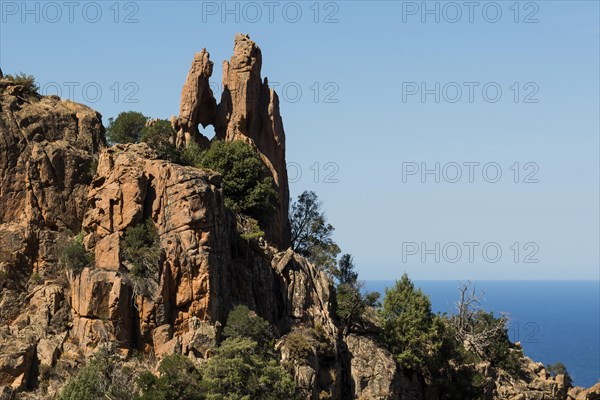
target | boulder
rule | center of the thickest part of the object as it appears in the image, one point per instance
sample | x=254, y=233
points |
x=373, y=369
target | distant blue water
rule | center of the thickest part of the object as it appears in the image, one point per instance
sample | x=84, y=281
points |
x=553, y=320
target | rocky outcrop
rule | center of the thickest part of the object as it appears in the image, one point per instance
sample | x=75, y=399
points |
x=198, y=104
x=185, y=203
x=200, y=277
x=248, y=111
x=579, y=393
x=203, y=272
x=47, y=152
x=533, y=382
x=374, y=372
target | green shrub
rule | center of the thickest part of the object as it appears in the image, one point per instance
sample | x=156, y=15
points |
x=102, y=378
x=321, y=340
x=452, y=372
x=141, y=249
x=30, y=88
x=75, y=257
x=243, y=323
x=499, y=350
x=248, y=228
x=179, y=379
x=36, y=279
x=127, y=128
x=241, y=370
x=247, y=183
x=159, y=136
x=299, y=346
x=191, y=155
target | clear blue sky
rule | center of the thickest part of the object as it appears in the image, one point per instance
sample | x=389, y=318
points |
x=371, y=57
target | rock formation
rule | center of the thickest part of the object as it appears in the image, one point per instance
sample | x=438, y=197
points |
x=198, y=104
x=248, y=111
x=578, y=393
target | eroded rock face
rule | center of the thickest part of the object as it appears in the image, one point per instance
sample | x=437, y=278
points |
x=578, y=393
x=200, y=277
x=203, y=273
x=534, y=383
x=374, y=372
x=248, y=111
x=45, y=154
x=47, y=151
x=187, y=209
x=198, y=105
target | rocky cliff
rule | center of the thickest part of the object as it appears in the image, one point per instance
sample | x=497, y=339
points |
x=47, y=154
x=59, y=179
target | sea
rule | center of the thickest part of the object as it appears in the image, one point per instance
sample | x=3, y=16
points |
x=553, y=320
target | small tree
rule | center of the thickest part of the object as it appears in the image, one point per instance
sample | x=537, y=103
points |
x=160, y=135
x=247, y=183
x=191, y=155
x=350, y=305
x=243, y=323
x=408, y=325
x=345, y=273
x=559, y=368
x=351, y=302
x=248, y=228
x=178, y=379
x=311, y=234
x=127, y=128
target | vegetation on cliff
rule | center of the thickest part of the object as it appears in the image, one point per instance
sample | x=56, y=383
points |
x=248, y=186
x=141, y=254
x=160, y=135
x=102, y=378
x=352, y=303
x=247, y=183
x=28, y=87
x=244, y=366
x=75, y=257
x=126, y=128
x=311, y=233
